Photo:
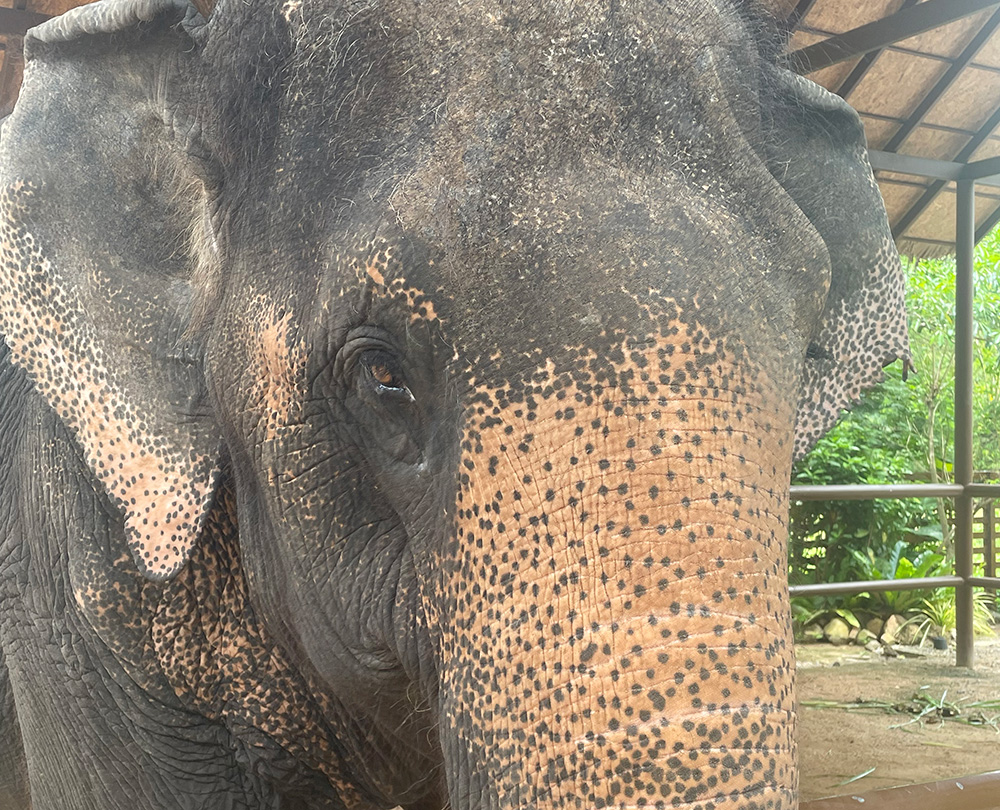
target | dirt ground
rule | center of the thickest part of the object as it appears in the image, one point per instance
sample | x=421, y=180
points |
x=837, y=744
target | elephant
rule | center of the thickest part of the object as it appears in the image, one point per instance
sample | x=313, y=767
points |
x=400, y=398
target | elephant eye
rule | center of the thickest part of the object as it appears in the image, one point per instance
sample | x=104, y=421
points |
x=383, y=376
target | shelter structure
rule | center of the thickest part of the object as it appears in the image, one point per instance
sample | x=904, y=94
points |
x=925, y=77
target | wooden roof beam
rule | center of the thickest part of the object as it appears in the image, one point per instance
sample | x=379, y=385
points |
x=902, y=25
x=798, y=13
x=926, y=240
x=935, y=188
x=988, y=225
x=15, y=22
x=865, y=63
x=941, y=86
x=985, y=172
x=911, y=164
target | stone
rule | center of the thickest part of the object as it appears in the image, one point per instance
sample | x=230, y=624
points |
x=865, y=637
x=908, y=633
x=874, y=626
x=874, y=646
x=813, y=632
x=837, y=631
x=890, y=631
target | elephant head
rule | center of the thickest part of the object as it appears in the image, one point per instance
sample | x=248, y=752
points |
x=495, y=329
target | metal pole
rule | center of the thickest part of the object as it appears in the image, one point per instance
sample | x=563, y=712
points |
x=868, y=492
x=875, y=585
x=965, y=242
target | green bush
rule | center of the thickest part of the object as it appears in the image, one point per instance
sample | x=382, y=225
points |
x=825, y=535
x=902, y=431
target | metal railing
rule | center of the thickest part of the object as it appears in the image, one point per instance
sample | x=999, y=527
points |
x=963, y=583
x=963, y=490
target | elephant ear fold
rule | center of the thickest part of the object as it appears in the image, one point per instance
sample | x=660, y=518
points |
x=815, y=147
x=105, y=257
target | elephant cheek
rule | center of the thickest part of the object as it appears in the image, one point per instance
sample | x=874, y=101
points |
x=618, y=613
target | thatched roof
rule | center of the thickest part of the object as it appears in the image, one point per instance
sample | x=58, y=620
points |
x=924, y=74
x=925, y=77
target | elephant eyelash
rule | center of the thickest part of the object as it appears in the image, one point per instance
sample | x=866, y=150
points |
x=816, y=352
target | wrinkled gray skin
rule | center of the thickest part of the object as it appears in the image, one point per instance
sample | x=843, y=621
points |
x=400, y=398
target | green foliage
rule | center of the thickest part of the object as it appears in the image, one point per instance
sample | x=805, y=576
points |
x=938, y=613
x=868, y=566
x=825, y=535
x=930, y=305
x=902, y=431
x=813, y=610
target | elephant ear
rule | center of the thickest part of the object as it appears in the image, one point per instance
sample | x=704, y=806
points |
x=815, y=148
x=103, y=261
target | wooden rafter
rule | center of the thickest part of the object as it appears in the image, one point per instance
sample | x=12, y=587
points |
x=865, y=63
x=935, y=188
x=962, y=61
x=988, y=224
x=894, y=28
x=798, y=13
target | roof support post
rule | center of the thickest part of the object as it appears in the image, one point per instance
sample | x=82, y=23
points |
x=965, y=241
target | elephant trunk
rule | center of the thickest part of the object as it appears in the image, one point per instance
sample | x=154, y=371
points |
x=620, y=631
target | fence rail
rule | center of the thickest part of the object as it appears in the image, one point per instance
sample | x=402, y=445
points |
x=985, y=526
x=980, y=543
x=875, y=585
x=985, y=522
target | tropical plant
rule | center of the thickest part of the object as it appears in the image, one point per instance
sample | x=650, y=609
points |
x=938, y=614
x=896, y=566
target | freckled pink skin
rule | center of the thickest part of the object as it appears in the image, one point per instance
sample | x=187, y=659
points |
x=617, y=623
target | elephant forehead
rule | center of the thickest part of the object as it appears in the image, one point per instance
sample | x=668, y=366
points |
x=616, y=594
x=542, y=32
x=462, y=143
x=533, y=253
x=384, y=269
